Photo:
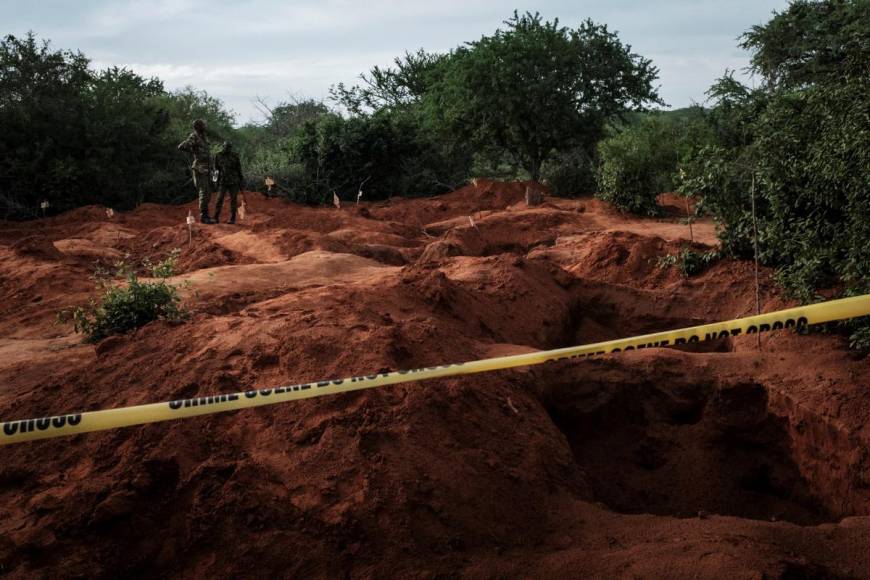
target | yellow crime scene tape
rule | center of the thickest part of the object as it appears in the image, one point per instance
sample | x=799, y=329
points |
x=62, y=425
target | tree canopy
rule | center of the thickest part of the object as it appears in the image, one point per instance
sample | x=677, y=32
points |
x=535, y=88
x=801, y=140
x=812, y=41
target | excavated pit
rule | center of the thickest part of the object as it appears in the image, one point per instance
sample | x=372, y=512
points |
x=679, y=445
x=602, y=312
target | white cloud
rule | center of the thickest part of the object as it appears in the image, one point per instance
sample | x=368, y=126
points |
x=239, y=84
x=240, y=50
x=685, y=78
x=331, y=16
x=118, y=17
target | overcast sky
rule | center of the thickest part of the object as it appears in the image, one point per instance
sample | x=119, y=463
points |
x=238, y=51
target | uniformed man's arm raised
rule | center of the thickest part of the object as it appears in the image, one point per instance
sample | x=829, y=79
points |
x=187, y=144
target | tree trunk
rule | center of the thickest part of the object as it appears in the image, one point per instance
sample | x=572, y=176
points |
x=534, y=196
x=535, y=171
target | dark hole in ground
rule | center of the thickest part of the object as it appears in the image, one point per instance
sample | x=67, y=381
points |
x=597, y=316
x=677, y=447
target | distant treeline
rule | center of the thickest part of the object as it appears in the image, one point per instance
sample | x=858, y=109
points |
x=73, y=136
x=507, y=104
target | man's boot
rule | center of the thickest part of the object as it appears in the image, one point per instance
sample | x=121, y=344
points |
x=232, y=219
x=203, y=218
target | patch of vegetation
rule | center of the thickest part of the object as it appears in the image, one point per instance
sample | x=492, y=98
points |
x=129, y=305
x=690, y=262
x=637, y=164
x=859, y=339
x=639, y=159
x=800, y=142
x=570, y=173
x=166, y=268
x=571, y=81
x=74, y=136
x=384, y=154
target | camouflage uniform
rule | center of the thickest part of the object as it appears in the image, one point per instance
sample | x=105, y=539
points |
x=197, y=144
x=230, y=180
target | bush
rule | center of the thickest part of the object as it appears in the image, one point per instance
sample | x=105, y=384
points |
x=164, y=268
x=690, y=262
x=859, y=339
x=637, y=164
x=693, y=262
x=570, y=173
x=813, y=150
x=123, y=308
x=810, y=154
x=387, y=154
x=264, y=147
x=717, y=178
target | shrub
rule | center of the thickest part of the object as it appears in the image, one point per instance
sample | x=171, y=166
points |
x=717, y=179
x=813, y=151
x=125, y=307
x=570, y=173
x=637, y=164
x=165, y=268
x=387, y=153
x=693, y=262
x=860, y=337
x=690, y=262
x=809, y=154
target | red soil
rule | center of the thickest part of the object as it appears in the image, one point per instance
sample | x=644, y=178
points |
x=724, y=462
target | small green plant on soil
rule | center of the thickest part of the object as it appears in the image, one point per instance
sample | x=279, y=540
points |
x=860, y=338
x=129, y=305
x=166, y=268
x=668, y=261
x=690, y=262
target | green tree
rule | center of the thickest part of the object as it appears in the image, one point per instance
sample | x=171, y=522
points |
x=74, y=136
x=803, y=139
x=718, y=171
x=170, y=178
x=265, y=147
x=812, y=42
x=285, y=119
x=535, y=88
x=188, y=104
x=126, y=150
x=43, y=120
x=393, y=88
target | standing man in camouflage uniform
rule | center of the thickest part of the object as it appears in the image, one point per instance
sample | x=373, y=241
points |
x=197, y=144
x=230, y=180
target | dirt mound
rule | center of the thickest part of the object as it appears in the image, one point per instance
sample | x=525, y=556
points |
x=84, y=248
x=722, y=461
x=481, y=195
x=37, y=247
